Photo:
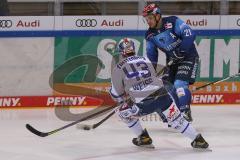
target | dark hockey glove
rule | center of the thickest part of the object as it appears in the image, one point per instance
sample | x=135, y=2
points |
x=165, y=74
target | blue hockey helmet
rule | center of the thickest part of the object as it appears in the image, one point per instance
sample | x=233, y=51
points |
x=126, y=47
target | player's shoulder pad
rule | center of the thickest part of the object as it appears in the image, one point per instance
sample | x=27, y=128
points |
x=170, y=19
x=150, y=33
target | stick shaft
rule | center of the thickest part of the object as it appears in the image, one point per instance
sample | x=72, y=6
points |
x=215, y=82
x=104, y=119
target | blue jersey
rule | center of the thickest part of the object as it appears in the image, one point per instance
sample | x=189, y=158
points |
x=173, y=34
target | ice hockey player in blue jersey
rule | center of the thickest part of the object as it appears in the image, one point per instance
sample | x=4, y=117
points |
x=176, y=39
x=139, y=92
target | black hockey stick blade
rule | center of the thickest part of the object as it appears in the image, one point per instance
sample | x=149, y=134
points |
x=36, y=132
x=89, y=127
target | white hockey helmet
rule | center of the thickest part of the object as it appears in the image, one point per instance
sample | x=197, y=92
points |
x=126, y=47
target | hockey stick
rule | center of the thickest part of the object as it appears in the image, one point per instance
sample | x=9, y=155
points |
x=44, y=134
x=218, y=81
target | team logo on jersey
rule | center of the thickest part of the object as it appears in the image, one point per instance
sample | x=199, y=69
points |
x=168, y=25
x=172, y=35
x=162, y=40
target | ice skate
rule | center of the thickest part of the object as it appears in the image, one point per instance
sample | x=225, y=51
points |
x=199, y=142
x=144, y=140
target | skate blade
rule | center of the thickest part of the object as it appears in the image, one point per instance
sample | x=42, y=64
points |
x=202, y=149
x=150, y=146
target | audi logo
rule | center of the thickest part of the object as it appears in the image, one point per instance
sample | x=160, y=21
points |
x=5, y=23
x=238, y=22
x=86, y=22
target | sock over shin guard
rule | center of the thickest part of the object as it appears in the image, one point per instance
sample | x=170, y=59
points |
x=177, y=122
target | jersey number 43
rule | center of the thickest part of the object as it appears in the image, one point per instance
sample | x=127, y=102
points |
x=138, y=70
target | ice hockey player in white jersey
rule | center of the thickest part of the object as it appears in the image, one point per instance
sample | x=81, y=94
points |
x=138, y=90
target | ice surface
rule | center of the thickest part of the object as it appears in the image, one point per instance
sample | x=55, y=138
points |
x=220, y=125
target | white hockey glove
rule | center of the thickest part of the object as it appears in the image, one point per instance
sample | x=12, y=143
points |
x=126, y=111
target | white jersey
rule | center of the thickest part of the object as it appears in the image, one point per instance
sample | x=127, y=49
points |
x=136, y=77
